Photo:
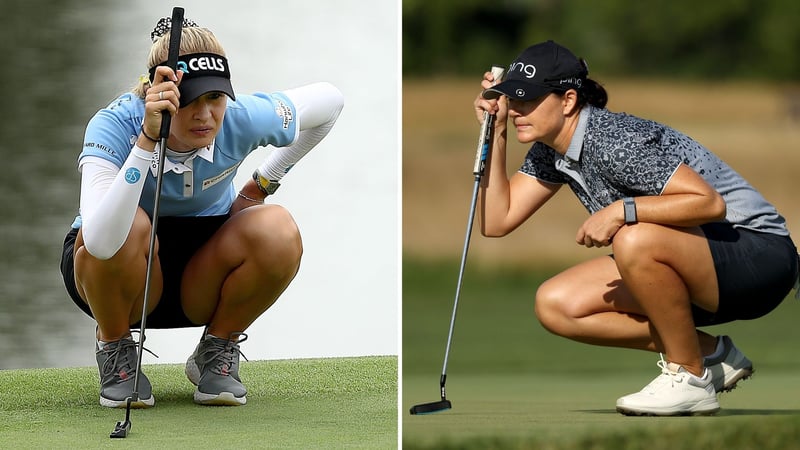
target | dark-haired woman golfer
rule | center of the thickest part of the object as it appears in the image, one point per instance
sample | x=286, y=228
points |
x=693, y=243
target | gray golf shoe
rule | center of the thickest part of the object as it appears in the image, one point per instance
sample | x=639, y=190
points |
x=730, y=367
x=116, y=362
x=214, y=369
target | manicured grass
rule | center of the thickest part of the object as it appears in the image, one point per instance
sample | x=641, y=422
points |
x=513, y=385
x=308, y=403
x=577, y=412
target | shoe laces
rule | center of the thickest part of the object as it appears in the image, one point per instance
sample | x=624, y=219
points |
x=667, y=375
x=122, y=359
x=225, y=353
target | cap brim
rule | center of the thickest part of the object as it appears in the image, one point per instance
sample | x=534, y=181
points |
x=517, y=90
x=193, y=88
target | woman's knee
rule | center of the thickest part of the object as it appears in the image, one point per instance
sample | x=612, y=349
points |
x=277, y=231
x=550, y=305
x=632, y=243
x=135, y=246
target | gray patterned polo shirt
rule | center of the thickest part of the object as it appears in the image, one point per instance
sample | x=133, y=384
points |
x=615, y=155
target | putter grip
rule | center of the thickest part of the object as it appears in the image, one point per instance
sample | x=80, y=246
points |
x=484, y=139
x=172, y=61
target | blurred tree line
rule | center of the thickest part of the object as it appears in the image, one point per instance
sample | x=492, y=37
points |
x=727, y=39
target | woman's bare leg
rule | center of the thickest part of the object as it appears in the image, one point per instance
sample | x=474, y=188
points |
x=240, y=272
x=114, y=288
x=639, y=299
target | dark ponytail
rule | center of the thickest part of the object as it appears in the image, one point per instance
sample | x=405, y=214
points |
x=592, y=93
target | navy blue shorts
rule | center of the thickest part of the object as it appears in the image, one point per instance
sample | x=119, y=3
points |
x=755, y=272
x=178, y=240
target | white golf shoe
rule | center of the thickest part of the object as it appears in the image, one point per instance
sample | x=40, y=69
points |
x=728, y=368
x=675, y=392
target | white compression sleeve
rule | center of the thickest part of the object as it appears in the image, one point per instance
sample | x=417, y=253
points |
x=318, y=106
x=109, y=200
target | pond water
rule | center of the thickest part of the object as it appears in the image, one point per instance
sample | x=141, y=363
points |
x=61, y=67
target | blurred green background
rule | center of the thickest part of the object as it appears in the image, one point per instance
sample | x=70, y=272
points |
x=716, y=40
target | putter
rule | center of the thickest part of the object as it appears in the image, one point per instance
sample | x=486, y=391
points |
x=484, y=142
x=123, y=428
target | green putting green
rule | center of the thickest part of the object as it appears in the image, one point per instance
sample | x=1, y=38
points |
x=513, y=385
x=307, y=403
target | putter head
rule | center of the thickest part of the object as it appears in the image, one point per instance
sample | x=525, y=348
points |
x=433, y=407
x=121, y=430
x=123, y=427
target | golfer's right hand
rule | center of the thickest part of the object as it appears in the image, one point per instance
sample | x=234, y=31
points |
x=163, y=95
x=498, y=107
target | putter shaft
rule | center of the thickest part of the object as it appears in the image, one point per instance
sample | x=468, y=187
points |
x=484, y=144
x=122, y=428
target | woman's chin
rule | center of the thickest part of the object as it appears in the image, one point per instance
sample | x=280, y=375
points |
x=191, y=144
x=525, y=137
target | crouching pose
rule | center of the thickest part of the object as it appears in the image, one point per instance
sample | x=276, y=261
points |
x=693, y=243
x=223, y=257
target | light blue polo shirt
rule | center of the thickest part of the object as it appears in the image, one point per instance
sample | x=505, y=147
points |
x=203, y=184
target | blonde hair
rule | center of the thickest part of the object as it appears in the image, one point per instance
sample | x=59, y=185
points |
x=193, y=40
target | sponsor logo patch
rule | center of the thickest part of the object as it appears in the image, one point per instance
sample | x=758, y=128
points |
x=209, y=182
x=132, y=175
x=207, y=63
x=284, y=112
x=529, y=70
x=99, y=147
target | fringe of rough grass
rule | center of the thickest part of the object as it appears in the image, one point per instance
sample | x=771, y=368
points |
x=763, y=433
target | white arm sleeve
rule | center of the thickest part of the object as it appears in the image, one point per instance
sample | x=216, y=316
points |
x=318, y=106
x=109, y=200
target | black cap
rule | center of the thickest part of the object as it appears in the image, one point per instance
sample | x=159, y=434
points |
x=202, y=73
x=539, y=70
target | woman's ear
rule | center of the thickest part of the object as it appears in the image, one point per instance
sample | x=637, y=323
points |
x=570, y=102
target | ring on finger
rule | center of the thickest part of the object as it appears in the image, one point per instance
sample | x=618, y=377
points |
x=161, y=95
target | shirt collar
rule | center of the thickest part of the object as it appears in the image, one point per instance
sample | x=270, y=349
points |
x=206, y=153
x=576, y=144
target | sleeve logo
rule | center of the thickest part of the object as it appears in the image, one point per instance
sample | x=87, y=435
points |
x=284, y=111
x=132, y=175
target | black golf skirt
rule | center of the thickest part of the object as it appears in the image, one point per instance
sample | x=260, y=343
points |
x=178, y=240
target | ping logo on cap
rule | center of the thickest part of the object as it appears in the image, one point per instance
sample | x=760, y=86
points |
x=529, y=70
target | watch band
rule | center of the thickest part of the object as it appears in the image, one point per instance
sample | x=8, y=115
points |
x=630, y=209
x=266, y=186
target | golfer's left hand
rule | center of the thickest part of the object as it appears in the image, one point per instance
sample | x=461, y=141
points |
x=599, y=229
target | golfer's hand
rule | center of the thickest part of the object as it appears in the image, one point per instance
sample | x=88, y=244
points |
x=599, y=229
x=163, y=95
x=498, y=107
